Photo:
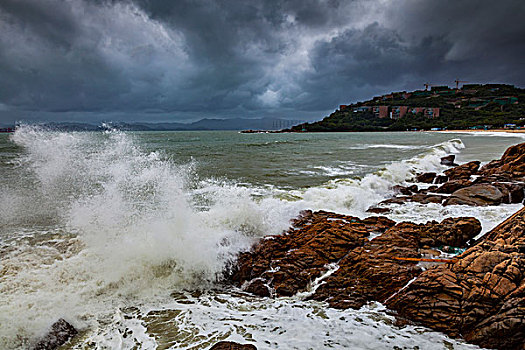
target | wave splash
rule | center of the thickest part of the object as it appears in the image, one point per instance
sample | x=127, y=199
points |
x=118, y=225
x=115, y=224
x=354, y=196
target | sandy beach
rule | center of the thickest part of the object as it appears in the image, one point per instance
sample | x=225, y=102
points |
x=512, y=131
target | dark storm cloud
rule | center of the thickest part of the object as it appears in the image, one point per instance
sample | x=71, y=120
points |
x=245, y=58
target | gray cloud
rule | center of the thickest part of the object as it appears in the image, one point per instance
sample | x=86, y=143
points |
x=160, y=59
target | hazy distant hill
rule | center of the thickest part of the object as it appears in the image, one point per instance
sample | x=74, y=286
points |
x=203, y=124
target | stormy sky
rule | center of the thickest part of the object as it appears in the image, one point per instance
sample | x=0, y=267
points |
x=181, y=60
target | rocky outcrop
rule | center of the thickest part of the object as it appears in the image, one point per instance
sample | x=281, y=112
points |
x=282, y=265
x=464, y=171
x=511, y=164
x=228, y=345
x=453, y=185
x=481, y=297
x=61, y=331
x=373, y=272
x=500, y=181
x=337, y=249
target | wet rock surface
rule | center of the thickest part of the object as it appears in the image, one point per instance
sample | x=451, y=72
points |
x=448, y=160
x=500, y=181
x=61, y=332
x=228, y=345
x=478, y=195
x=464, y=171
x=481, y=297
x=282, y=265
x=511, y=164
x=337, y=248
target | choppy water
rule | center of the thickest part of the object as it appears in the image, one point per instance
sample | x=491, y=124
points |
x=125, y=235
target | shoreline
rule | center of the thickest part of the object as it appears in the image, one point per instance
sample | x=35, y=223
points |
x=425, y=273
x=510, y=131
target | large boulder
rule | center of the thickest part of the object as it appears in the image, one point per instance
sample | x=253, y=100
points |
x=480, y=297
x=426, y=177
x=476, y=195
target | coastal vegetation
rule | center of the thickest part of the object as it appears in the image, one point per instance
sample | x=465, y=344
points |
x=473, y=106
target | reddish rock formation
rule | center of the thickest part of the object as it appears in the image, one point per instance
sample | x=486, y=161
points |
x=287, y=264
x=371, y=273
x=453, y=185
x=480, y=297
x=228, y=345
x=426, y=178
x=464, y=171
x=511, y=164
x=284, y=264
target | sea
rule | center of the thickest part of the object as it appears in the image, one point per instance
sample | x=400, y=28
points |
x=128, y=235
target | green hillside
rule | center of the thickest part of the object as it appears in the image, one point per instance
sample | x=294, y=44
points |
x=473, y=106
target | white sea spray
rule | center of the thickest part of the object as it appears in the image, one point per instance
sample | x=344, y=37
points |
x=104, y=226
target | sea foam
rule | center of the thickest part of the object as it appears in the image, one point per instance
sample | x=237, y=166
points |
x=109, y=226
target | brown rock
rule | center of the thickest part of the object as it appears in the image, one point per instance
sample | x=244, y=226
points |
x=228, y=345
x=368, y=270
x=426, y=198
x=398, y=189
x=453, y=185
x=481, y=296
x=511, y=164
x=448, y=160
x=378, y=210
x=287, y=263
x=464, y=171
x=477, y=195
x=512, y=192
x=440, y=179
x=426, y=178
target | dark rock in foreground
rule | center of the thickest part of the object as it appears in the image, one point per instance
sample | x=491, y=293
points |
x=481, y=297
x=228, y=345
x=61, y=331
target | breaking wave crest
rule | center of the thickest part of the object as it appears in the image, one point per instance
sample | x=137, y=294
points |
x=355, y=195
x=117, y=224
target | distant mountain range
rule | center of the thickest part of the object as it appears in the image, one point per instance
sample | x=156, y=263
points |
x=203, y=124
